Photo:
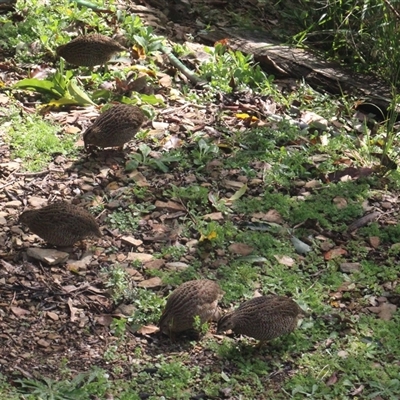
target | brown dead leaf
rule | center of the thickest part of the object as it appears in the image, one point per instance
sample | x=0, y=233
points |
x=169, y=205
x=130, y=240
x=346, y=287
x=171, y=142
x=350, y=267
x=332, y=379
x=52, y=315
x=340, y=202
x=104, y=320
x=285, y=260
x=138, y=84
x=142, y=257
x=19, y=312
x=152, y=283
x=241, y=249
x=232, y=184
x=113, y=186
x=155, y=264
x=165, y=81
x=148, y=329
x=4, y=99
x=121, y=257
x=350, y=173
x=313, y=184
x=216, y=216
x=374, y=241
x=269, y=216
x=139, y=178
x=71, y=129
x=48, y=256
x=134, y=274
x=334, y=253
x=73, y=311
x=160, y=126
x=43, y=343
x=359, y=390
x=384, y=311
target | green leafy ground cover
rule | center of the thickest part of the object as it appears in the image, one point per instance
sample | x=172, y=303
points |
x=247, y=195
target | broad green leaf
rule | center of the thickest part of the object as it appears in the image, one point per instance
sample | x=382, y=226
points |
x=160, y=165
x=151, y=99
x=131, y=165
x=144, y=149
x=60, y=82
x=102, y=94
x=238, y=194
x=140, y=40
x=63, y=101
x=41, y=86
x=88, y=4
x=78, y=94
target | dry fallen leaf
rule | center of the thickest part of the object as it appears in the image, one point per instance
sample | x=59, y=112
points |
x=148, y=329
x=340, y=202
x=73, y=311
x=285, y=260
x=332, y=379
x=269, y=216
x=154, y=282
x=241, y=249
x=216, y=216
x=384, y=311
x=374, y=241
x=334, y=253
x=52, y=315
x=104, y=320
x=19, y=312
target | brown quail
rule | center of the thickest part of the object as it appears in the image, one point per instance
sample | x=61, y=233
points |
x=114, y=127
x=193, y=298
x=61, y=223
x=89, y=50
x=263, y=318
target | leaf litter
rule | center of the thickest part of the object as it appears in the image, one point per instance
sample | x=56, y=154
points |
x=66, y=305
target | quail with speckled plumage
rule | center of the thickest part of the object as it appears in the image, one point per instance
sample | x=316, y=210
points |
x=89, y=50
x=193, y=298
x=114, y=127
x=263, y=318
x=61, y=223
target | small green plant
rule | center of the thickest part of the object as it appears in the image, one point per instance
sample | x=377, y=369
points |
x=79, y=388
x=35, y=140
x=143, y=36
x=202, y=328
x=149, y=307
x=211, y=231
x=148, y=41
x=204, y=152
x=123, y=220
x=62, y=89
x=173, y=252
x=142, y=158
x=118, y=282
x=194, y=195
x=6, y=390
x=127, y=219
x=226, y=67
x=118, y=327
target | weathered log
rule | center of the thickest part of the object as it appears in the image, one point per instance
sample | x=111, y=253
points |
x=285, y=61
